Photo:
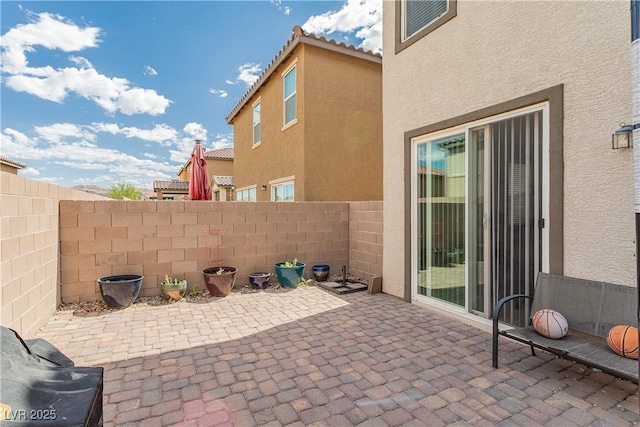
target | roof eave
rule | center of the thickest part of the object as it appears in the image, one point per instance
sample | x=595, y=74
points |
x=286, y=52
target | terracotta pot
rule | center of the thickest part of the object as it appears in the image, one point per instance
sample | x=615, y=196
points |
x=219, y=283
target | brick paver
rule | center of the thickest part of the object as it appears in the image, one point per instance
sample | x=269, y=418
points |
x=309, y=357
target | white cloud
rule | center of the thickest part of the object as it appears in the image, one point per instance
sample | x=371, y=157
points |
x=48, y=30
x=61, y=131
x=17, y=136
x=81, y=61
x=150, y=155
x=222, y=141
x=150, y=71
x=29, y=172
x=195, y=130
x=221, y=93
x=249, y=73
x=85, y=156
x=364, y=17
x=54, y=32
x=287, y=10
x=139, y=101
x=163, y=134
x=229, y=82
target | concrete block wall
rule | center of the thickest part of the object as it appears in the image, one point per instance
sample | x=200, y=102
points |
x=154, y=238
x=365, y=239
x=29, y=255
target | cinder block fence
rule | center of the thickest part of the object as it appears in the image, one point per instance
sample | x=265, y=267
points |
x=56, y=242
x=181, y=238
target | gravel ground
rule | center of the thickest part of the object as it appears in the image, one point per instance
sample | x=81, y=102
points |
x=99, y=306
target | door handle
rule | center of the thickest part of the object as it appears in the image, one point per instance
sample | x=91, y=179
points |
x=485, y=221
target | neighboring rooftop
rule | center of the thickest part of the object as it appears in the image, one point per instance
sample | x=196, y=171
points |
x=225, y=153
x=171, y=185
x=13, y=163
x=300, y=36
x=223, y=181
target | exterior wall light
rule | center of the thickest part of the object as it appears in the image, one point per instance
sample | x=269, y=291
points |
x=623, y=137
x=264, y=188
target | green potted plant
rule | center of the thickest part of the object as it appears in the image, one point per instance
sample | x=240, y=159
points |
x=290, y=274
x=173, y=289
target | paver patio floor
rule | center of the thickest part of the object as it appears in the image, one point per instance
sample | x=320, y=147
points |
x=310, y=357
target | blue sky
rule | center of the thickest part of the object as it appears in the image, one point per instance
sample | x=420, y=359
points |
x=97, y=93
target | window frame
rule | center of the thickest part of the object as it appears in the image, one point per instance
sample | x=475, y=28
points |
x=291, y=68
x=248, y=191
x=402, y=40
x=258, y=104
x=281, y=183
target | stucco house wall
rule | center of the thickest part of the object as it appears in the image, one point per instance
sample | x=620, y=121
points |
x=496, y=52
x=343, y=130
x=280, y=151
x=333, y=151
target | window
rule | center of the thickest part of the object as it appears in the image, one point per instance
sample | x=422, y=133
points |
x=282, y=192
x=417, y=18
x=246, y=195
x=256, y=123
x=289, y=83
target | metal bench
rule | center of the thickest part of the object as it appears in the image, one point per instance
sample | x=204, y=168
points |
x=591, y=309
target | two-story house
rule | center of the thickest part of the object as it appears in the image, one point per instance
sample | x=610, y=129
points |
x=310, y=127
x=498, y=159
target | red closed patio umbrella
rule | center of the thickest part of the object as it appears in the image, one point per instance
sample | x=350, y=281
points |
x=199, y=185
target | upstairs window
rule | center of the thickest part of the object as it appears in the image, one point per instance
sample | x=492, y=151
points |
x=417, y=18
x=256, y=123
x=290, y=104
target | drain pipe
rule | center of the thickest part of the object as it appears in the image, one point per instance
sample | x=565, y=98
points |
x=635, y=101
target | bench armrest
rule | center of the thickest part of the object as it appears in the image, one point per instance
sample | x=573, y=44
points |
x=496, y=315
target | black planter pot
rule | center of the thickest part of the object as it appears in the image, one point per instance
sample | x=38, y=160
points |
x=259, y=280
x=120, y=291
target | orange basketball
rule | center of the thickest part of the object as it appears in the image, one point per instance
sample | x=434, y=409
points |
x=623, y=340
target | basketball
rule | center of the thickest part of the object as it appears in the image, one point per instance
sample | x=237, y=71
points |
x=550, y=323
x=623, y=340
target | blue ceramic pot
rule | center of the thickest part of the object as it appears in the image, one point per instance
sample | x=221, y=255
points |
x=320, y=272
x=289, y=277
x=259, y=280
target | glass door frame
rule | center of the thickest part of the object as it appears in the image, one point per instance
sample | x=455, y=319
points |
x=544, y=200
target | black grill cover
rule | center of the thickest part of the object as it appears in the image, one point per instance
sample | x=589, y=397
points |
x=43, y=387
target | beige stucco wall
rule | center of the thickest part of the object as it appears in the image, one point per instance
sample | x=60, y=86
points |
x=493, y=52
x=343, y=130
x=29, y=254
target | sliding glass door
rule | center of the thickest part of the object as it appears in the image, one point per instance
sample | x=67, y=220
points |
x=441, y=219
x=479, y=215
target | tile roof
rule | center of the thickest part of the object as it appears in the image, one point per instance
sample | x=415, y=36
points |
x=11, y=162
x=221, y=153
x=171, y=185
x=223, y=181
x=300, y=36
